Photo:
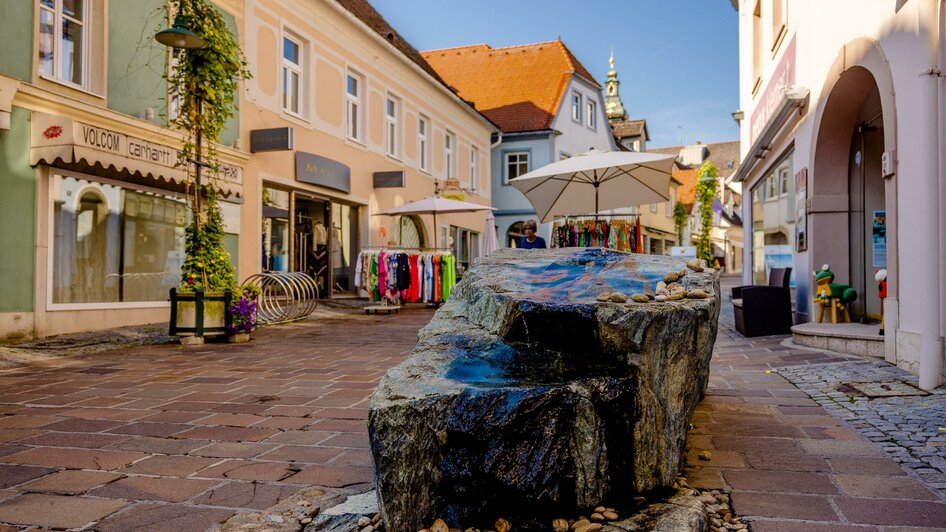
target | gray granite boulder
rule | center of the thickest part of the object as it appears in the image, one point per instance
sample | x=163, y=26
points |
x=527, y=397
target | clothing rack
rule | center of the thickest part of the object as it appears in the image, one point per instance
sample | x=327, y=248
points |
x=402, y=248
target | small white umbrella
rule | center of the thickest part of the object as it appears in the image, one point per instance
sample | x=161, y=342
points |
x=434, y=205
x=595, y=182
x=490, y=241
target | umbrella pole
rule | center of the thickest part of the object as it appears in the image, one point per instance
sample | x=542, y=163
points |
x=596, y=203
x=436, y=230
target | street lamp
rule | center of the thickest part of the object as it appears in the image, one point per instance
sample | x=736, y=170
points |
x=179, y=36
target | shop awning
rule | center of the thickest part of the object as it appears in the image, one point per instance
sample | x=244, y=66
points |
x=795, y=98
x=62, y=140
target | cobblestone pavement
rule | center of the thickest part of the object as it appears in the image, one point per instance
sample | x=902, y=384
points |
x=912, y=429
x=790, y=465
x=165, y=438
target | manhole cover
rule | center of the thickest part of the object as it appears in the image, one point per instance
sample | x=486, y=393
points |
x=886, y=389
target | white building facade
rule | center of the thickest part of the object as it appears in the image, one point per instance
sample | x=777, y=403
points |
x=842, y=123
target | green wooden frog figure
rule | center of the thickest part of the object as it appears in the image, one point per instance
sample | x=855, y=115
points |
x=835, y=296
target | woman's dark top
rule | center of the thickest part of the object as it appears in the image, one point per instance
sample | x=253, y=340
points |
x=538, y=243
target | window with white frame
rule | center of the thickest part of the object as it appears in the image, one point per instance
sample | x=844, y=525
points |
x=449, y=147
x=474, y=167
x=591, y=120
x=576, y=106
x=113, y=243
x=391, y=125
x=63, y=40
x=423, y=151
x=353, y=106
x=757, y=47
x=292, y=87
x=653, y=207
x=517, y=164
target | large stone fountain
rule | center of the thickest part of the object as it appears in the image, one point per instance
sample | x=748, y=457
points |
x=527, y=396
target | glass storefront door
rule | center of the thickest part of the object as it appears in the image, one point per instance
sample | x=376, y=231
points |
x=343, y=246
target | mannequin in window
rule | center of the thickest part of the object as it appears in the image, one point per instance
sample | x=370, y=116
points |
x=531, y=240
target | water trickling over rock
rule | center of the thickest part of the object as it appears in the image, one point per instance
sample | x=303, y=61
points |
x=526, y=396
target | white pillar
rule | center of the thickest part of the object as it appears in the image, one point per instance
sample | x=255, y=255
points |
x=931, y=351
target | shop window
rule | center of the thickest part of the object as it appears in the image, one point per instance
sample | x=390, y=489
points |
x=516, y=163
x=275, y=253
x=423, y=150
x=292, y=87
x=114, y=244
x=465, y=246
x=353, y=107
x=63, y=40
x=391, y=113
x=773, y=222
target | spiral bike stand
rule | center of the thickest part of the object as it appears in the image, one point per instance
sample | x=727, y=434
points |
x=284, y=296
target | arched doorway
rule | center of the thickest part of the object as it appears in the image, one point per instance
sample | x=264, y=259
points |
x=849, y=199
x=410, y=232
x=514, y=233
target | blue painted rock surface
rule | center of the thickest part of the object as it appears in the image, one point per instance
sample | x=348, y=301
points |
x=527, y=398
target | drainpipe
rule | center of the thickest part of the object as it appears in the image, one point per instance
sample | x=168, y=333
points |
x=931, y=350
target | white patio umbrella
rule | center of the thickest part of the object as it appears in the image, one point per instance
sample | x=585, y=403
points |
x=595, y=182
x=434, y=205
x=490, y=241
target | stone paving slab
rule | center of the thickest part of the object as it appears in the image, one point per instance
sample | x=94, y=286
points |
x=166, y=438
x=819, y=462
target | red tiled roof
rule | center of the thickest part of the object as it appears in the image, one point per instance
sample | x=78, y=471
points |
x=520, y=88
x=628, y=128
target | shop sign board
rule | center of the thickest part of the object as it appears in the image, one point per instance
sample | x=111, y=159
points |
x=783, y=77
x=393, y=179
x=879, y=239
x=683, y=252
x=273, y=139
x=59, y=137
x=801, y=210
x=322, y=171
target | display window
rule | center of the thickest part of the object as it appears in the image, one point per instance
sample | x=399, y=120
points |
x=773, y=221
x=113, y=243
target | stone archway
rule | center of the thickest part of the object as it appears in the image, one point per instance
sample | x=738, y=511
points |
x=855, y=123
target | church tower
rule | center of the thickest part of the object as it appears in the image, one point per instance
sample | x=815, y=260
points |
x=612, y=99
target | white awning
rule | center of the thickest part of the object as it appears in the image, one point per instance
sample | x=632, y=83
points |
x=62, y=140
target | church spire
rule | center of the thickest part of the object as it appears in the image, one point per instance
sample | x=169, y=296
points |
x=612, y=99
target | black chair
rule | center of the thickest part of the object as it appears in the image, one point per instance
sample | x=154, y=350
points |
x=764, y=310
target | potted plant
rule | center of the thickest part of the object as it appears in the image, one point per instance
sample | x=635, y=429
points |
x=204, y=82
x=242, y=312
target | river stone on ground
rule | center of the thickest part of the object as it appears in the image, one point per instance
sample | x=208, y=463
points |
x=527, y=397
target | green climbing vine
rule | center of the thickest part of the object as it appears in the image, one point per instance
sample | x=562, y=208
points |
x=679, y=220
x=204, y=84
x=705, y=194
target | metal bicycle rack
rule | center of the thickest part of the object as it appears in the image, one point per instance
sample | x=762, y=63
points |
x=284, y=296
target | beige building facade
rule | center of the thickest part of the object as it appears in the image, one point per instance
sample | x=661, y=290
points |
x=345, y=120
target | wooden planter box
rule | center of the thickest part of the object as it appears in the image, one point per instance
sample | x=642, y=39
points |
x=200, y=313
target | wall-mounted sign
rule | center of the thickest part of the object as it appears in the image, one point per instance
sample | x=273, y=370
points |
x=318, y=170
x=801, y=210
x=781, y=79
x=389, y=179
x=879, y=239
x=275, y=139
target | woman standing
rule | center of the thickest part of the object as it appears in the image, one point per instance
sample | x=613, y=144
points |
x=531, y=240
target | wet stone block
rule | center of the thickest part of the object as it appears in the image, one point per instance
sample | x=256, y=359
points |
x=526, y=396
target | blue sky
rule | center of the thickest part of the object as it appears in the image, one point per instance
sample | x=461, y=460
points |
x=676, y=59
